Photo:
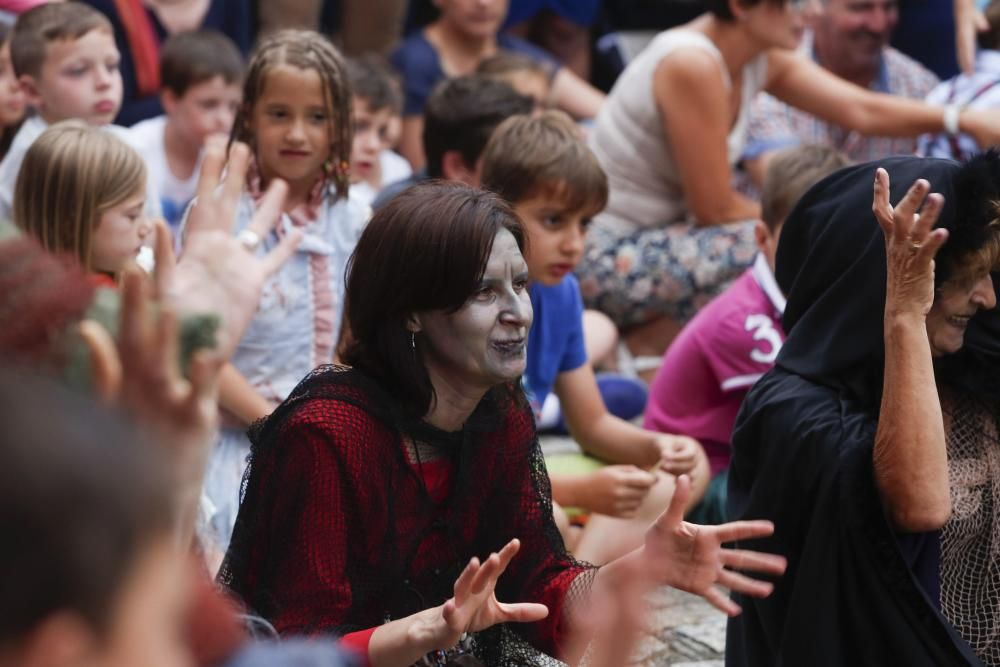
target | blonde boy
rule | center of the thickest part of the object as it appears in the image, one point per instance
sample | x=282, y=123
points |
x=65, y=57
x=542, y=166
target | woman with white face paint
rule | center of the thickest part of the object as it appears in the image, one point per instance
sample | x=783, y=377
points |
x=394, y=502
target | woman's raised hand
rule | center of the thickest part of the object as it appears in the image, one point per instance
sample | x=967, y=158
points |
x=910, y=245
x=691, y=557
x=475, y=606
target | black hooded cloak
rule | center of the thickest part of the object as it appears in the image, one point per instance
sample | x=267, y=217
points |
x=855, y=592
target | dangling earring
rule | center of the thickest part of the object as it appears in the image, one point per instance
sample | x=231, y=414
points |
x=413, y=342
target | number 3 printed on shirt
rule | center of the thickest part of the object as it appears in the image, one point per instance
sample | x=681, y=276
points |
x=763, y=329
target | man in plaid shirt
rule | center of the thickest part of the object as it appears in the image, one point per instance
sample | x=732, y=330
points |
x=851, y=39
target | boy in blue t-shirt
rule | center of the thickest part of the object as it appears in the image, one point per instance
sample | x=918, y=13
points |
x=542, y=166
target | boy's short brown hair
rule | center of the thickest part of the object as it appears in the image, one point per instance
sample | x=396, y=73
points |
x=196, y=56
x=531, y=155
x=790, y=174
x=51, y=22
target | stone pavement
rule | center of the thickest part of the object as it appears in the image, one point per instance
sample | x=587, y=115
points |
x=684, y=631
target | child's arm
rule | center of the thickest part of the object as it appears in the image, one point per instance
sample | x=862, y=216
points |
x=607, y=437
x=238, y=397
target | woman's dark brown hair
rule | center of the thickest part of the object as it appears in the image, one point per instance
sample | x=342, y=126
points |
x=425, y=250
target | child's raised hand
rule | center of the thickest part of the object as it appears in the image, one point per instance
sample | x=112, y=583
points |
x=218, y=272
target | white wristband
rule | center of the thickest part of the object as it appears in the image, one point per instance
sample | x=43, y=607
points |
x=951, y=113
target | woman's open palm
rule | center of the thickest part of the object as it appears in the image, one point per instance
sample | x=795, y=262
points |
x=475, y=606
x=691, y=557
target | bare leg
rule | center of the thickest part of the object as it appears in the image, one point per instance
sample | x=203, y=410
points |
x=600, y=336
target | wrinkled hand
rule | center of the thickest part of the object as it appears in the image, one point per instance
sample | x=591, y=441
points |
x=475, y=606
x=691, y=557
x=910, y=245
x=678, y=453
x=969, y=22
x=618, y=490
x=216, y=272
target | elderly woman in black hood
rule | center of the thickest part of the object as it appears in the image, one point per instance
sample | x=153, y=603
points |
x=842, y=445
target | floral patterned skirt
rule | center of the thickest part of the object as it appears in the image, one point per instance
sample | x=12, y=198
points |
x=671, y=271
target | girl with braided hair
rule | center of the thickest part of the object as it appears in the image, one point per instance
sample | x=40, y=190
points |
x=296, y=118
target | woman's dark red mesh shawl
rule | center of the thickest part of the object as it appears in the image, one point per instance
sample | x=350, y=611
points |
x=336, y=531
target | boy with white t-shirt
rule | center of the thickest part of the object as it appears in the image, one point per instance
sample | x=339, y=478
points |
x=200, y=73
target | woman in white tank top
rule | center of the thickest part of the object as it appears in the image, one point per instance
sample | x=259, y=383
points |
x=675, y=232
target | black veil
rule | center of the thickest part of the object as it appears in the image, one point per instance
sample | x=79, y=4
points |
x=803, y=442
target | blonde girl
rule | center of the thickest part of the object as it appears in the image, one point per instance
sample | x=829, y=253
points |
x=82, y=191
x=296, y=117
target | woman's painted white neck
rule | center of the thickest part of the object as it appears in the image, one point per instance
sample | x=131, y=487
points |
x=453, y=403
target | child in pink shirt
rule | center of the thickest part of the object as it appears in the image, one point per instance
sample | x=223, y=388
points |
x=734, y=340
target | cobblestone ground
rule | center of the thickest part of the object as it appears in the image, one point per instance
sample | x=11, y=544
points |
x=684, y=630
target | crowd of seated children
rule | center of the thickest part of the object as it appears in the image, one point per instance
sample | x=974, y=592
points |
x=460, y=117
x=201, y=74
x=312, y=139
x=65, y=58
x=376, y=109
x=735, y=339
x=543, y=167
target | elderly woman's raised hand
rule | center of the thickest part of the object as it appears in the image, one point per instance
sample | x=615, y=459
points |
x=910, y=245
x=691, y=557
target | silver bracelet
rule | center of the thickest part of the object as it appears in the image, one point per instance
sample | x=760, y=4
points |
x=951, y=114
